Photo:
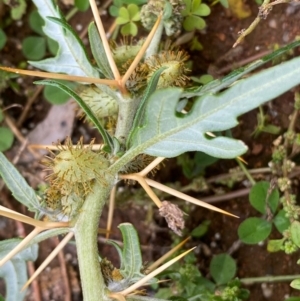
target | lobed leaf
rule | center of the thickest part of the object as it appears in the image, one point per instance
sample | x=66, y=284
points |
x=21, y=191
x=71, y=57
x=165, y=133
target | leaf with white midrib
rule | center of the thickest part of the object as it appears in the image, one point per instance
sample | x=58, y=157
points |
x=71, y=57
x=21, y=191
x=166, y=134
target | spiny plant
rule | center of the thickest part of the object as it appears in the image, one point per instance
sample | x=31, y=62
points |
x=153, y=112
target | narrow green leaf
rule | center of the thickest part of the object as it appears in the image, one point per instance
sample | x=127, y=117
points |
x=71, y=57
x=6, y=139
x=295, y=233
x=167, y=134
x=201, y=229
x=259, y=199
x=253, y=230
x=220, y=84
x=21, y=191
x=98, y=51
x=106, y=137
x=222, y=268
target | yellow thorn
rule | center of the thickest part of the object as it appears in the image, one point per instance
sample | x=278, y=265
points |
x=153, y=274
x=49, y=259
x=109, y=82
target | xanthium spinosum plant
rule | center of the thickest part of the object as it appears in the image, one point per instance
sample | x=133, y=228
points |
x=136, y=96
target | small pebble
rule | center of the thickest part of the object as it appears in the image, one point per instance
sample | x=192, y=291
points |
x=213, y=244
x=217, y=236
x=286, y=37
x=79, y=27
x=257, y=48
x=273, y=23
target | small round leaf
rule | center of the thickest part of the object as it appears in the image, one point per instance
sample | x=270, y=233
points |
x=6, y=139
x=52, y=46
x=134, y=12
x=55, y=96
x=34, y=48
x=295, y=233
x=258, y=197
x=281, y=222
x=129, y=29
x=222, y=268
x=253, y=230
x=82, y=5
x=203, y=10
x=36, y=22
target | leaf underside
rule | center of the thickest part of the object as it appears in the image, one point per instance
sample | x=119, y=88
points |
x=166, y=133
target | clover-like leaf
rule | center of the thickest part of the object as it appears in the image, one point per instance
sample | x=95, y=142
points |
x=165, y=133
x=127, y=17
x=192, y=14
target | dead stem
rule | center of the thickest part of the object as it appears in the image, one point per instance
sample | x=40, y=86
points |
x=158, y=262
x=50, y=257
x=153, y=274
x=64, y=272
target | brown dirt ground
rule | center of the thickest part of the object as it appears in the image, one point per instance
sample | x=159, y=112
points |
x=281, y=27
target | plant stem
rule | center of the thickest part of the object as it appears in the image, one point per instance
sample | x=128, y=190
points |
x=93, y=286
x=269, y=279
x=246, y=172
x=127, y=110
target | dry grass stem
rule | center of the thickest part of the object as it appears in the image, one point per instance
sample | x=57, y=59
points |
x=158, y=262
x=141, y=52
x=49, y=258
x=153, y=274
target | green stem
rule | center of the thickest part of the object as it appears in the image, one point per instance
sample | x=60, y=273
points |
x=246, y=172
x=93, y=286
x=127, y=110
x=269, y=279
